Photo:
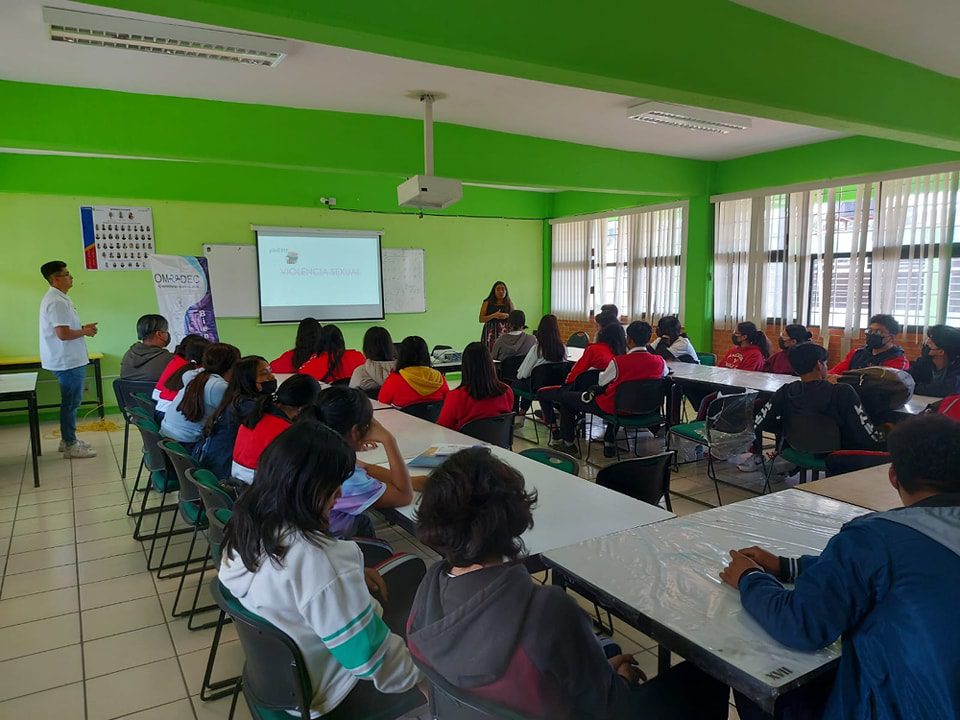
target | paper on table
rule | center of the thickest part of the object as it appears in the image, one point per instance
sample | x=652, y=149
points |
x=434, y=456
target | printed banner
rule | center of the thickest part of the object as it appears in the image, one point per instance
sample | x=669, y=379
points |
x=116, y=238
x=183, y=294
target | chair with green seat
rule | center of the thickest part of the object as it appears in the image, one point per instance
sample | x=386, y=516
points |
x=637, y=405
x=554, y=458
x=646, y=479
x=545, y=375
x=136, y=413
x=805, y=442
x=708, y=359
x=727, y=429
x=579, y=339
x=276, y=683
x=449, y=701
x=123, y=390
x=217, y=519
x=144, y=399
x=496, y=430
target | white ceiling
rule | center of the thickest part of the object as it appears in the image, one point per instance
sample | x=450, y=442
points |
x=320, y=76
x=923, y=32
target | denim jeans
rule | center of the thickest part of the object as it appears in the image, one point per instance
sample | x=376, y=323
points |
x=71, y=393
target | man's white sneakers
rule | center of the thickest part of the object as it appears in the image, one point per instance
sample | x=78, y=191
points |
x=77, y=451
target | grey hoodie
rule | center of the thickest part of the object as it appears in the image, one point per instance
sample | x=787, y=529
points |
x=144, y=362
x=513, y=343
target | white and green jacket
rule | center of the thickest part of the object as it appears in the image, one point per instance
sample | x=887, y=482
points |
x=318, y=596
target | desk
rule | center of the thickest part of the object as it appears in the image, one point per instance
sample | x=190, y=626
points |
x=869, y=488
x=663, y=580
x=568, y=510
x=32, y=362
x=23, y=386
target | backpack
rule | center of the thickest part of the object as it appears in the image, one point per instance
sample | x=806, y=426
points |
x=881, y=389
x=949, y=406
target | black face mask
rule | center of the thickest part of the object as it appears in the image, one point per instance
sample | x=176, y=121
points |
x=268, y=387
x=782, y=343
x=735, y=339
x=875, y=340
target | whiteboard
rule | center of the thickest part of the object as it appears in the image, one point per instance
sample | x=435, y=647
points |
x=233, y=280
x=404, y=289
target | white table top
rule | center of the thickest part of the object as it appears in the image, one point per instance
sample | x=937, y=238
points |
x=668, y=573
x=18, y=382
x=869, y=488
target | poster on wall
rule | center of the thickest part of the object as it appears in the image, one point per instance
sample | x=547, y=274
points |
x=182, y=283
x=116, y=238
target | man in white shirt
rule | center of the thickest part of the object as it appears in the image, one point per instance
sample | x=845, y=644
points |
x=63, y=352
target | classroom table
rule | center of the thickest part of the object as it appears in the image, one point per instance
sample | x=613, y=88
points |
x=32, y=362
x=23, y=386
x=869, y=488
x=569, y=509
x=663, y=580
x=377, y=405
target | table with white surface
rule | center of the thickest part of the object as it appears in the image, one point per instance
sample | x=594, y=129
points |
x=869, y=488
x=664, y=580
x=23, y=386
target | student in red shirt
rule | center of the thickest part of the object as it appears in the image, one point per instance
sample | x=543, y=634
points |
x=186, y=356
x=791, y=336
x=270, y=417
x=637, y=363
x=750, y=350
x=334, y=362
x=414, y=381
x=480, y=395
x=305, y=347
x=881, y=348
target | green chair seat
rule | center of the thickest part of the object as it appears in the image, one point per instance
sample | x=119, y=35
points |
x=526, y=394
x=193, y=513
x=805, y=460
x=635, y=421
x=694, y=431
x=567, y=465
x=164, y=482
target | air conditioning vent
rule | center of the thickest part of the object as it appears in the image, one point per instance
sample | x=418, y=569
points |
x=685, y=118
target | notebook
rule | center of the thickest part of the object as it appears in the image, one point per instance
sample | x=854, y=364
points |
x=434, y=456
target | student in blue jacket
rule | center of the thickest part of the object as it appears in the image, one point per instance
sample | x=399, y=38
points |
x=888, y=584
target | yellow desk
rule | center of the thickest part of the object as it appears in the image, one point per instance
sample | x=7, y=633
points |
x=32, y=362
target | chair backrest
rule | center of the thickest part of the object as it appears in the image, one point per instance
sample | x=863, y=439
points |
x=586, y=380
x=548, y=374
x=508, y=367
x=217, y=519
x=207, y=485
x=496, y=430
x=124, y=390
x=639, y=397
x=428, y=411
x=135, y=411
x=182, y=461
x=707, y=359
x=729, y=424
x=646, y=479
x=553, y=458
x=448, y=701
x=578, y=340
x=811, y=433
x=145, y=400
x=274, y=671
x=154, y=459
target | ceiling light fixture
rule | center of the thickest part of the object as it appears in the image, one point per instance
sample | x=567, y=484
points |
x=685, y=118
x=83, y=28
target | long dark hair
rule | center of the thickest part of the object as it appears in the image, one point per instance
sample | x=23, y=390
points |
x=333, y=344
x=798, y=333
x=297, y=475
x=479, y=376
x=492, y=295
x=342, y=408
x=378, y=345
x=615, y=337
x=307, y=343
x=242, y=386
x=190, y=349
x=549, y=343
x=413, y=352
x=296, y=391
x=218, y=359
x=754, y=337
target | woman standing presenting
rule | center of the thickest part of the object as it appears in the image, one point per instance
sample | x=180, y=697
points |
x=494, y=313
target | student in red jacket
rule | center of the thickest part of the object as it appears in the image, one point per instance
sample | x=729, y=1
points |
x=881, y=348
x=791, y=336
x=305, y=347
x=334, y=362
x=186, y=356
x=637, y=364
x=750, y=350
x=414, y=381
x=270, y=417
x=480, y=395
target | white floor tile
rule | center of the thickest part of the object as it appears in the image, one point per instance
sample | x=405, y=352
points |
x=63, y=703
x=39, y=636
x=42, y=671
x=111, y=567
x=120, y=652
x=38, y=541
x=38, y=606
x=117, y=590
x=121, y=617
x=39, y=581
x=41, y=559
x=130, y=691
x=179, y=710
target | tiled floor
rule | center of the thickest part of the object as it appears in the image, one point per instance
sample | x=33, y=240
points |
x=86, y=631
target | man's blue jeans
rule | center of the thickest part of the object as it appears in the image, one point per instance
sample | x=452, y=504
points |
x=71, y=393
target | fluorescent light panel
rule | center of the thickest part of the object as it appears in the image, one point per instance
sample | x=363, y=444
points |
x=82, y=28
x=685, y=118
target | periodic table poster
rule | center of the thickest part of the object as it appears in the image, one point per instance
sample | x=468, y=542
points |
x=117, y=238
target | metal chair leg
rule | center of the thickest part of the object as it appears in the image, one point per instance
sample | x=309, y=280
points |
x=219, y=688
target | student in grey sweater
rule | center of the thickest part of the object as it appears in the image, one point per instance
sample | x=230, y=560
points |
x=514, y=341
x=146, y=360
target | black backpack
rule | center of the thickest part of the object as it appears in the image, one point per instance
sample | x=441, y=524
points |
x=881, y=389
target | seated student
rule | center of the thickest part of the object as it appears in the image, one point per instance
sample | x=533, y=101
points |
x=281, y=562
x=481, y=622
x=514, y=341
x=814, y=394
x=305, y=346
x=888, y=584
x=937, y=370
x=880, y=348
x=250, y=380
x=201, y=394
x=334, y=362
x=750, y=350
x=349, y=412
x=608, y=315
x=146, y=360
x=480, y=395
x=547, y=347
x=186, y=356
x=381, y=358
x=611, y=342
x=791, y=336
x=270, y=416
x=637, y=363
x=414, y=380
x=671, y=342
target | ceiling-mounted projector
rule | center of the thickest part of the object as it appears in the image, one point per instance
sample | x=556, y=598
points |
x=428, y=190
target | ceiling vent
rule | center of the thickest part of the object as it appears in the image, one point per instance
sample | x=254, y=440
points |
x=687, y=118
x=83, y=28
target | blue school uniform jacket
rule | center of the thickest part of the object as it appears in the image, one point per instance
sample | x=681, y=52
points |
x=889, y=585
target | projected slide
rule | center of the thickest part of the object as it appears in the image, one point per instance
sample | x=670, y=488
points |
x=326, y=274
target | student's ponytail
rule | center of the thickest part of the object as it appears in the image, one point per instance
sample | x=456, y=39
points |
x=755, y=337
x=218, y=359
x=296, y=391
x=191, y=349
x=343, y=408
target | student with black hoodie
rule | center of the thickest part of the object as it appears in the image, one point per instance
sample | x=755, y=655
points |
x=481, y=622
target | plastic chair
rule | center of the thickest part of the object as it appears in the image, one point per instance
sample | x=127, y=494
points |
x=428, y=411
x=708, y=359
x=646, y=479
x=508, y=368
x=578, y=340
x=145, y=400
x=806, y=441
x=546, y=375
x=449, y=701
x=496, y=430
x=123, y=390
x=637, y=404
x=217, y=519
x=554, y=458
x=275, y=677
